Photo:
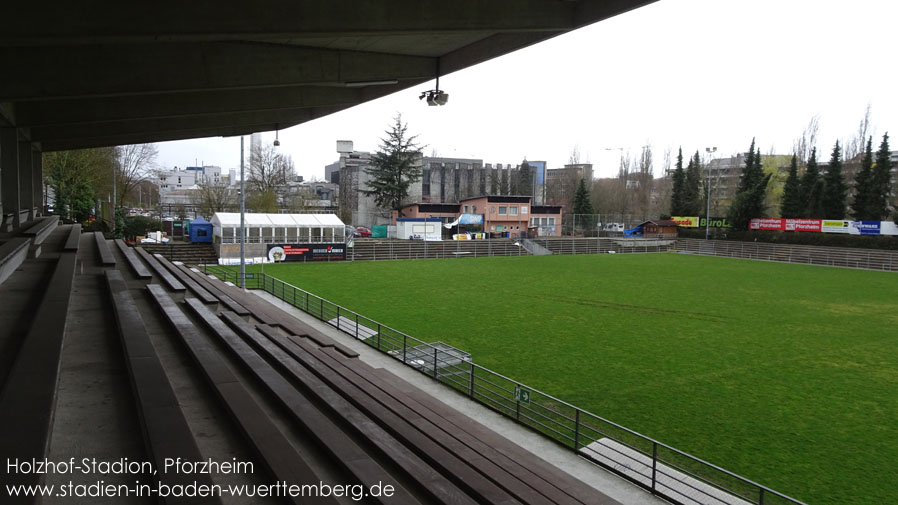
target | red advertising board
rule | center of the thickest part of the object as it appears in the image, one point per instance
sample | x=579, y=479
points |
x=804, y=225
x=767, y=224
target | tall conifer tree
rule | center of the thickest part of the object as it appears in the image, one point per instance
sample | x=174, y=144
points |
x=791, y=207
x=834, y=189
x=678, y=192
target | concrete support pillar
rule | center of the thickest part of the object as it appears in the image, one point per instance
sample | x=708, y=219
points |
x=26, y=193
x=9, y=173
x=37, y=180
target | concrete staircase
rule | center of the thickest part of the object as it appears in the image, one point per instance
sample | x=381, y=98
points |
x=186, y=252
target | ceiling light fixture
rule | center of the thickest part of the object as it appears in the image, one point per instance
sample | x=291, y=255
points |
x=276, y=141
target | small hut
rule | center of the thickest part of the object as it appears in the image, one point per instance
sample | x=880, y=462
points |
x=659, y=228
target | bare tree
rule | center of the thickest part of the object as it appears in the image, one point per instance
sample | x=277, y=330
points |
x=268, y=169
x=213, y=196
x=645, y=175
x=132, y=164
x=855, y=145
x=808, y=139
x=574, y=158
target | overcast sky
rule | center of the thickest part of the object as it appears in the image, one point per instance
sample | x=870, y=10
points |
x=690, y=73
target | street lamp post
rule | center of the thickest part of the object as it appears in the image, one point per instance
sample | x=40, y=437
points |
x=710, y=151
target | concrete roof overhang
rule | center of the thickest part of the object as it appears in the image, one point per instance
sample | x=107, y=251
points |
x=86, y=74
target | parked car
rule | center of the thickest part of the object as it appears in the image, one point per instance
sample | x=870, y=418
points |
x=363, y=231
x=349, y=231
x=618, y=227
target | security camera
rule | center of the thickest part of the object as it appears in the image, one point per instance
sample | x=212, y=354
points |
x=434, y=97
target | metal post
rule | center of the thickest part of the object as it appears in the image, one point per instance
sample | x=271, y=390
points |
x=471, y=387
x=242, y=222
x=654, y=464
x=338, y=317
x=435, y=371
x=321, y=311
x=378, y=336
x=577, y=431
x=761, y=497
x=356, y=326
x=404, y=347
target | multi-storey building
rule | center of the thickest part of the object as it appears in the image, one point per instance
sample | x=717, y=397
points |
x=443, y=180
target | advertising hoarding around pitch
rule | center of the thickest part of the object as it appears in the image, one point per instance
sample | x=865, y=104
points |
x=306, y=252
x=826, y=226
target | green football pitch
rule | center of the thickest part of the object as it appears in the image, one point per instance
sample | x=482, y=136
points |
x=785, y=374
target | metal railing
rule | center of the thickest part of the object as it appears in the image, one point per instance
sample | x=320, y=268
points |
x=869, y=259
x=653, y=465
x=384, y=249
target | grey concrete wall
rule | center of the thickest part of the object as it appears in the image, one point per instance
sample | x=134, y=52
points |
x=9, y=173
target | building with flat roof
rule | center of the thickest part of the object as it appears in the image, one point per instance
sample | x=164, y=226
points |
x=502, y=215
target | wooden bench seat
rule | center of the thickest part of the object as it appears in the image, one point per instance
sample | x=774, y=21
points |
x=28, y=397
x=269, y=314
x=445, y=485
x=200, y=292
x=343, y=451
x=106, y=257
x=137, y=266
x=440, y=449
x=165, y=429
x=73, y=238
x=166, y=276
x=519, y=468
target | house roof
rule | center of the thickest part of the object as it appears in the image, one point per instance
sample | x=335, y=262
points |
x=660, y=222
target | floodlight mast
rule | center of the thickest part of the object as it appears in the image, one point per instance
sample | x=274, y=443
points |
x=710, y=151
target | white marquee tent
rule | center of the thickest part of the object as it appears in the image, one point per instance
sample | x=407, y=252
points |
x=279, y=228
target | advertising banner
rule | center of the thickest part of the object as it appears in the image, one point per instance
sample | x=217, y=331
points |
x=767, y=224
x=835, y=226
x=306, y=252
x=866, y=227
x=470, y=219
x=716, y=222
x=803, y=225
x=888, y=228
x=686, y=222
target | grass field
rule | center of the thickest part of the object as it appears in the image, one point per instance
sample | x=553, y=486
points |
x=785, y=374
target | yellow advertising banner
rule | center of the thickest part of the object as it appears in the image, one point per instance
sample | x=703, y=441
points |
x=686, y=222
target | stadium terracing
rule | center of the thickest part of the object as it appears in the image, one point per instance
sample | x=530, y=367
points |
x=121, y=369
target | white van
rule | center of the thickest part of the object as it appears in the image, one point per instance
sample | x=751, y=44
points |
x=614, y=227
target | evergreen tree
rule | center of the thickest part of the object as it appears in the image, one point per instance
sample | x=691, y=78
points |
x=834, y=189
x=881, y=182
x=749, y=201
x=811, y=190
x=581, y=204
x=678, y=192
x=863, y=186
x=791, y=207
x=693, y=193
x=394, y=168
x=525, y=184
